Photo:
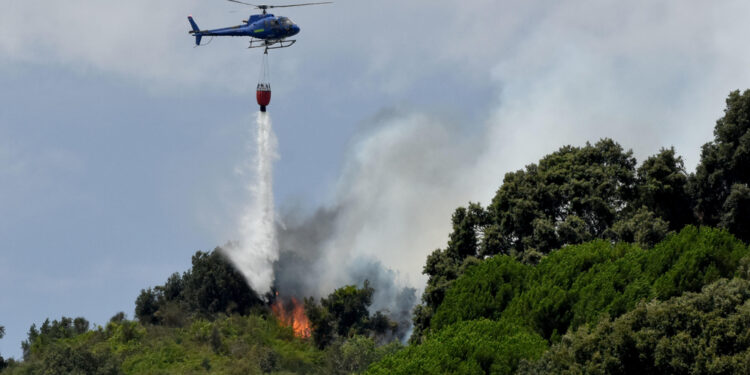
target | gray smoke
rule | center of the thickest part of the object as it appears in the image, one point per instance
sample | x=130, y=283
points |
x=299, y=271
x=403, y=178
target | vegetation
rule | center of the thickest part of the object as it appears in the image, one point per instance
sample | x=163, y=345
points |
x=473, y=347
x=229, y=345
x=578, y=284
x=200, y=323
x=345, y=314
x=3, y=363
x=609, y=221
x=569, y=288
x=210, y=288
x=697, y=333
x=720, y=186
x=582, y=263
x=580, y=194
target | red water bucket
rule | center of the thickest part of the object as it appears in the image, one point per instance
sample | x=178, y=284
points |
x=263, y=94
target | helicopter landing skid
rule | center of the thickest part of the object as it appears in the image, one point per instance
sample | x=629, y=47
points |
x=270, y=44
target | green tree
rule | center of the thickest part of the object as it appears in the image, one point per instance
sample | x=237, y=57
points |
x=574, y=195
x=348, y=307
x=444, y=266
x=211, y=287
x=662, y=188
x=483, y=291
x=579, y=283
x=472, y=347
x=697, y=333
x=643, y=228
x=354, y=355
x=64, y=359
x=344, y=313
x=724, y=162
x=146, y=306
x=737, y=211
x=321, y=322
x=571, y=196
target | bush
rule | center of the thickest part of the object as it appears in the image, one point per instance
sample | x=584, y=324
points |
x=473, y=347
x=580, y=283
x=697, y=333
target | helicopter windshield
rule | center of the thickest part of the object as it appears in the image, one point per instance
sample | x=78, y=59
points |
x=285, y=21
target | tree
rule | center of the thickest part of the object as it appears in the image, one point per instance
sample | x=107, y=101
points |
x=643, y=228
x=578, y=284
x=344, y=313
x=483, y=291
x=662, y=189
x=212, y=286
x=573, y=195
x=472, y=347
x=146, y=306
x=444, y=266
x=321, y=322
x=354, y=355
x=724, y=161
x=63, y=359
x=737, y=211
x=696, y=333
x=348, y=307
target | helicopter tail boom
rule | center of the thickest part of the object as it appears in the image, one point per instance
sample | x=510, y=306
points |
x=196, y=30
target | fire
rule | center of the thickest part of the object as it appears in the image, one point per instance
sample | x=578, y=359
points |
x=292, y=314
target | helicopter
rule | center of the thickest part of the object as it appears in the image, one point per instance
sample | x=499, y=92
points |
x=264, y=30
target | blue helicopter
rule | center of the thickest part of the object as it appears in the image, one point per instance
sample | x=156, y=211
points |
x=264, y=30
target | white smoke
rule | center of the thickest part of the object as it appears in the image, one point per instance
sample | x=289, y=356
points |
x=258, y=248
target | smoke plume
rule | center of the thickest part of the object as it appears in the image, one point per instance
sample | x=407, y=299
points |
x=258, y=247
x=392, y=206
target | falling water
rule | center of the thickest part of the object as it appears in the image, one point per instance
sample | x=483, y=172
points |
x=258, y=248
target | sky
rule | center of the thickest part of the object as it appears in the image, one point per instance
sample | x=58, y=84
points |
x=120, y=142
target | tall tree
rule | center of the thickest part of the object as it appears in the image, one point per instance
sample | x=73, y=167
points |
x=444, y=266
x=724, y=163
x=737, y=211
x=573, y=195
x=662, y=188
x=214, y=285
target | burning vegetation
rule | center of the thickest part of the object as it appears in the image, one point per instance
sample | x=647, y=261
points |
x=291, y=313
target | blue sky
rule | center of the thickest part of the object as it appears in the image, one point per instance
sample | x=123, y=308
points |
x=120, y=142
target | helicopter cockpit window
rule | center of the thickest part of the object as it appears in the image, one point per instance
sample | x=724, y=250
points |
x=285, y=21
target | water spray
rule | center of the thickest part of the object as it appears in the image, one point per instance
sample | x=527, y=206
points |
x=258, y=247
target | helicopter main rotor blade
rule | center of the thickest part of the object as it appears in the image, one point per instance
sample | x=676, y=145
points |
x=252, y=5
x=278, y=6
x=299, y=5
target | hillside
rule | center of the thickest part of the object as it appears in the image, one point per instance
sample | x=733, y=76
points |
x=584, y=262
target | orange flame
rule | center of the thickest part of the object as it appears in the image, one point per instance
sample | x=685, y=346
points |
x=292, y=314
